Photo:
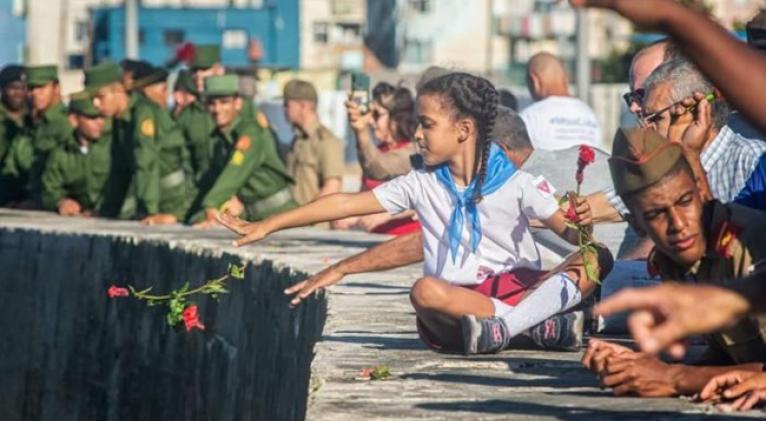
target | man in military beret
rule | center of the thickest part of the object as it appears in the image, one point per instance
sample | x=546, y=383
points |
x=245, y=168
x=129, y=68
x=112, y=99
x=695, y=241
x=75, y=178
x=184, y=92
x=49, y=128
x=163, y=179
x=13, y=95
x=194, y=119
x=315, y=160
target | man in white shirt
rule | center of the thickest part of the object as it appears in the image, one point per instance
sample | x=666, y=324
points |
x=556, y=120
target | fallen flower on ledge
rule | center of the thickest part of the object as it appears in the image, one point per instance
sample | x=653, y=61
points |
x=182, y=310
x=374, y=373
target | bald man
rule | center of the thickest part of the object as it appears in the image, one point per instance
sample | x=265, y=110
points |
x=643, y=64
x=556, y=120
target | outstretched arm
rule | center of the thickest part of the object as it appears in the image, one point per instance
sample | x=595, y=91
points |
x=722, y=58
x=325, y=208
x=397, y=252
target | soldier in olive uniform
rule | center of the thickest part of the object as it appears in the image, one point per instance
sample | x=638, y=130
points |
x=164, y=186
x=76, y=174
x=315, y=160
x=694, y=242
x=195, y=121
x=114, y=102
x=13, y=95
x=184, y=92
x=49, y=128
x=245, y=167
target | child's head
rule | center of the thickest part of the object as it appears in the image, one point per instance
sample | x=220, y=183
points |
x=456, y=111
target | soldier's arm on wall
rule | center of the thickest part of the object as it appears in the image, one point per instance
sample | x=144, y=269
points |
x=147, y=158
x=53, y=182
x=248, y=155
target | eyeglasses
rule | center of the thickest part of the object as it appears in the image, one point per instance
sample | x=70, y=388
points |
x=634, y=96
x=645, y=120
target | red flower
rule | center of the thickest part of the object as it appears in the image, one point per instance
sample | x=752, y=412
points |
x=115, y=291
x=587, y=156
x=571, y=215
x=191, y=318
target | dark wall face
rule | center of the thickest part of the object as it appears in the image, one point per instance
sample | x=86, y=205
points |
x=71, y=353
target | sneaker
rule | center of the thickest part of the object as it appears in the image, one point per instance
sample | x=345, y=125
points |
x=562, y=332
x=484, y=336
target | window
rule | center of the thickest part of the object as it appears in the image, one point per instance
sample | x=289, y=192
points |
x=81, y=31
x=422, y=6
x=418, y=51
x=234, y=39
x=172, y=37
x=321, y=32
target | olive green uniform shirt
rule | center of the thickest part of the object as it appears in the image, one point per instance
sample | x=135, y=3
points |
x=79, y=173
x=246, y=164
x=735, y=246
x=163, y=174
x=197, y=127
x=316, y=155
x=10, y=128
x=29, y=150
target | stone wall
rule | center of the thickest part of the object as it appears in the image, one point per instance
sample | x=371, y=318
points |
x=71, y=353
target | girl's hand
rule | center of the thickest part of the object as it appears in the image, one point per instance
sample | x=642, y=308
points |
x=358, y=121
x=582, y=210
x=249, y=231
x=313, y=285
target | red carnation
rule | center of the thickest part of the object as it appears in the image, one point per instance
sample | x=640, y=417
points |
x=587, y=156
x=191, y=318
x=571, y=215
x=115, y=291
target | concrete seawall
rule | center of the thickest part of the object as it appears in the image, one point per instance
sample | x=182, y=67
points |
x=70, y=353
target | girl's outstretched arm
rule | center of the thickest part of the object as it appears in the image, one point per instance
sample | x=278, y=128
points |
x=325, y=208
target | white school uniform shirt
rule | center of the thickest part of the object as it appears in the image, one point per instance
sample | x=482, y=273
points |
x=561, y=122
x=506, y=242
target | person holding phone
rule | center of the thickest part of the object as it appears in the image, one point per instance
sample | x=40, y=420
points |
x=391, y=119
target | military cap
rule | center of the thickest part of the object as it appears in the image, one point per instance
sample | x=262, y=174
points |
x=130, y=65
x=12, y=73
x=300, y=90
x=226, y=85
x=104, y=74
x=40, y=75
x=82, y=103
x=205, y=56
x=145, y=74
x=640, y=158
x=185, y=82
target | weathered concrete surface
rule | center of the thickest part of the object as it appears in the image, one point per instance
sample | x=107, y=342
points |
x=369, y=323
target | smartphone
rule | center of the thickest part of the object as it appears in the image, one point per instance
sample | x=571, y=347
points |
x=360, y=91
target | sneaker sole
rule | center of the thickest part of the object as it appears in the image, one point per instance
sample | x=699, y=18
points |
x=471, y=329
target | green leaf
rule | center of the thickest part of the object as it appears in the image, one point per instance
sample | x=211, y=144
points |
x=380, y=372
x=237, y=272
x=591, y=272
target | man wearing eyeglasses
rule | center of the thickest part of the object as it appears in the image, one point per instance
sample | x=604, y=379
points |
x=735, y=166
x=643, y=64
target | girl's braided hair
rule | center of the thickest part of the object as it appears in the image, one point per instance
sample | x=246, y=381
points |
x=474, y=97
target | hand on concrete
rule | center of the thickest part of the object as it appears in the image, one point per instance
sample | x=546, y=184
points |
x=665, y=314
x=210, y=221
x=314, y=284
x=159, y=219
x=745, y=388
x=69, y=207
x=641, y=375
x=249, y=231
x=598, y=351
x=234, y=206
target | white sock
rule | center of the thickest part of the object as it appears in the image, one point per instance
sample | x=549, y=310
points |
x=555, y=295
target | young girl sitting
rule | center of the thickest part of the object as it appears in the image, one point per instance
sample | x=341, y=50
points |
x=482, y=283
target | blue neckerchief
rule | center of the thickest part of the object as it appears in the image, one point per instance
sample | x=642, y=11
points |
x=499, y=170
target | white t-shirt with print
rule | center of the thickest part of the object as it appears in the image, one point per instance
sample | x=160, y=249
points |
x=504, y=215
x=560, y=122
